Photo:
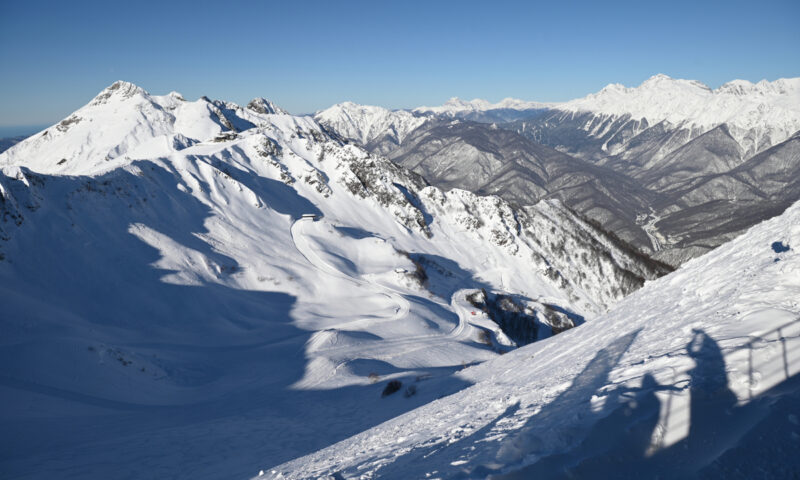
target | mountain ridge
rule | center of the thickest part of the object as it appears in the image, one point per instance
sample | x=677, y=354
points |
x=665, y=135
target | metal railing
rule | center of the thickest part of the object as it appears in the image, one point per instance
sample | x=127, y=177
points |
x=764, y=338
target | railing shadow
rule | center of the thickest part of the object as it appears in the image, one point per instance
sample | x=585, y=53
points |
x=722, y=434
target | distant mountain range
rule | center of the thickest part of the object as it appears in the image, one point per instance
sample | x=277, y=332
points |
x=671, y=166
x=8, y=142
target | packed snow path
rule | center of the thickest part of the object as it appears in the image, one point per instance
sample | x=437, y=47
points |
x=329, y=350
x=303, y=246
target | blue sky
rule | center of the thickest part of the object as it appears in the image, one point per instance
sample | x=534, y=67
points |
x=308, y=55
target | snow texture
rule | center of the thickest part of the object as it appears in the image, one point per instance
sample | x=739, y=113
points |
x=693, y=376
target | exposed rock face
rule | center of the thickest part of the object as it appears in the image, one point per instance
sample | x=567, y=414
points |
x=520, y=320
x=265, y=107
x=487, y=160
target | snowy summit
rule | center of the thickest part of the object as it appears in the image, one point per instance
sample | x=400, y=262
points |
x=772, y=109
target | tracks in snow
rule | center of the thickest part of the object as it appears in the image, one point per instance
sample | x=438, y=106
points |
x=299, y=237
x=384, y=349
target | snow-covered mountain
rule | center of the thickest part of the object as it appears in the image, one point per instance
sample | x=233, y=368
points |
x=655, y=164
x=674, y=136
x=188, y=279
x=124, y=122
x=369, y=125
x=758, y=115
x=693, y=376
x=456, y=107
x=488, y=160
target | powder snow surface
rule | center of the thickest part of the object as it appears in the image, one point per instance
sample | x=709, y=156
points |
x=695, y=375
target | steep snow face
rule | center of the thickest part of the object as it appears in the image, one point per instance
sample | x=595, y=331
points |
x=455, y=106
x=758, y=115
x=165, y=298
x=365, y=123
x=693, y=376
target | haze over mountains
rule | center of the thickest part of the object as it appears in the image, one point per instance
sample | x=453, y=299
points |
x=655, y=164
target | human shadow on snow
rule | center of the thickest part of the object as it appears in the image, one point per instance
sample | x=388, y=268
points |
x=724, y=439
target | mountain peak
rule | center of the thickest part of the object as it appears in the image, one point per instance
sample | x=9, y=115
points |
x=661, y=80
x=119, y=90
x=349, y=105
x=768, y=106
x=365, y=123
x=264, y=106
x=658, y=77
x=457, y=102
x=456, y=105
x=613, y=87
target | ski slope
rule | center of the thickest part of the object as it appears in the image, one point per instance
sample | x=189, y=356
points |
x=693, y=376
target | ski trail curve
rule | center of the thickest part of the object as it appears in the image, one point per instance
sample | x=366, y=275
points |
x=460, y=332
x=300, y=240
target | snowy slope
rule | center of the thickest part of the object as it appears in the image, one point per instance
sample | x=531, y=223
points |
x=695, y=375
x=758, y=115
x=197, y=276
x=8, y=142
x=366, y=123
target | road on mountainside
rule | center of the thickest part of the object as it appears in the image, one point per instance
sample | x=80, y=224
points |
x=648, y=224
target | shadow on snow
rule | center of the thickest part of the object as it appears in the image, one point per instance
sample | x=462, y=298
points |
x=109, y=371
x=760, y=439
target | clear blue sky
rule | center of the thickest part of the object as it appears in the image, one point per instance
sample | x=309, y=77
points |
x=307, y=55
